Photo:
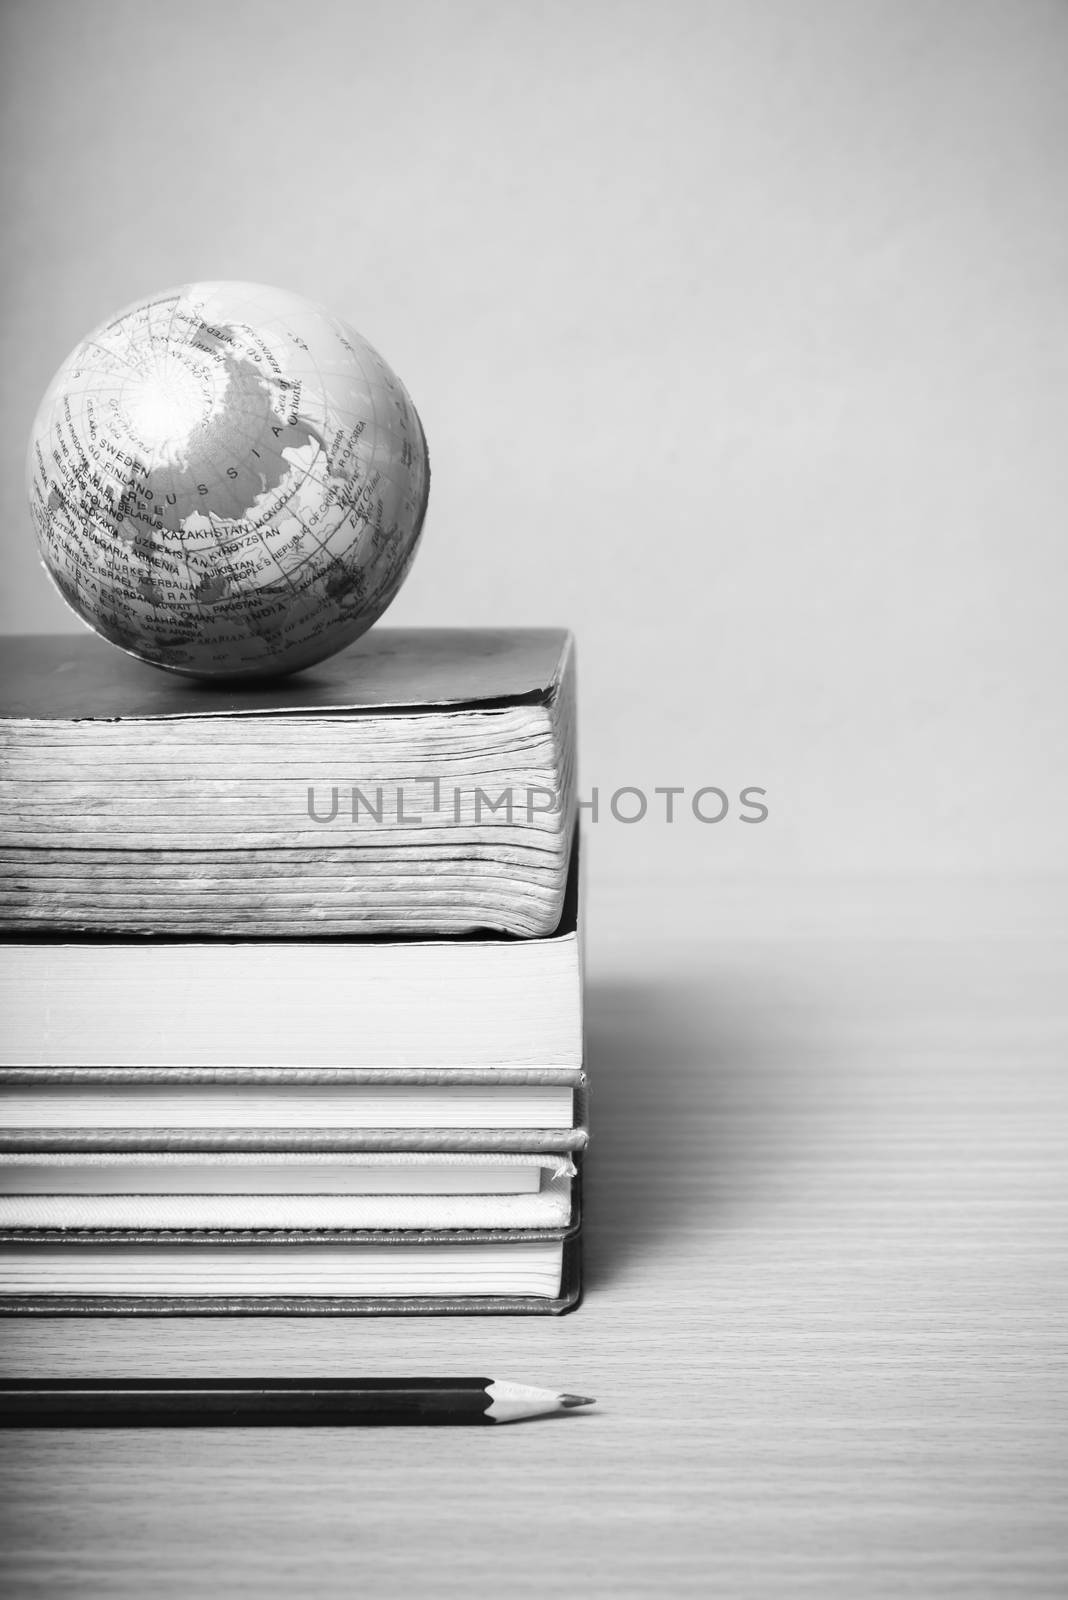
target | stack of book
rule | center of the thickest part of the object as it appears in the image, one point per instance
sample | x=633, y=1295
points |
x=293, y=984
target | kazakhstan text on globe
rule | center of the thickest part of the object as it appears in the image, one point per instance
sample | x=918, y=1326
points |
x=227, y=480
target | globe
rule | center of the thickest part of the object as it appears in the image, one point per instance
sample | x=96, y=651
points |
x=227, y=481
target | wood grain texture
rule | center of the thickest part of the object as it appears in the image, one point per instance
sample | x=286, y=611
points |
x=825, y=1321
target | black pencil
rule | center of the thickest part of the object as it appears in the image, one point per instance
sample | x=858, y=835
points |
x=272, y=1402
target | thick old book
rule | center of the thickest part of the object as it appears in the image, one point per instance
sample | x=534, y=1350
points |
x=422, y=782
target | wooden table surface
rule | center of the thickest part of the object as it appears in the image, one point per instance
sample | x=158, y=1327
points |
x=825, y=1318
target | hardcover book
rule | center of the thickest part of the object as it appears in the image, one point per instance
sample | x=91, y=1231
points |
x=346, y=1014
x=337, y=1273
x=421, y=782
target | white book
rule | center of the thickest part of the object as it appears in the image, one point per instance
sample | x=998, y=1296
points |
x=284, y=1192
x=381, y=1271
x=262, y=1173
x=257, y=1105
x=407, y=1007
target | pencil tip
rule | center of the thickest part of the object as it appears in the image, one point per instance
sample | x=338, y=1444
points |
x=570, y=1401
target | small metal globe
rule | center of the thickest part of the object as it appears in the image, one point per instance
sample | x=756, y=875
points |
x=227, y=481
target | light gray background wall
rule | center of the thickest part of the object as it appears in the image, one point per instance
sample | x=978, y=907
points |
x=739, y=332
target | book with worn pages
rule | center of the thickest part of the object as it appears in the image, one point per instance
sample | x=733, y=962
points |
x=259, y=1059
x=419, y=783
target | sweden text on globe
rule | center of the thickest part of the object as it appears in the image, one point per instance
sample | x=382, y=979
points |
x=226, y=480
